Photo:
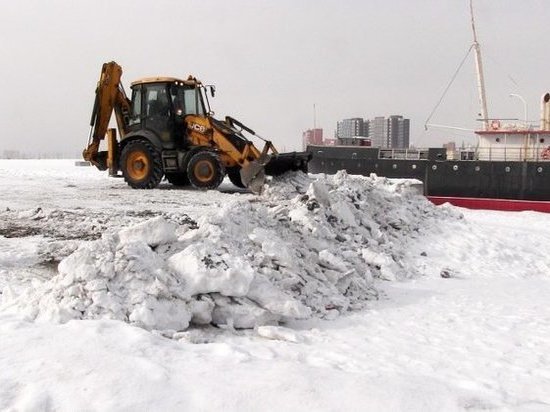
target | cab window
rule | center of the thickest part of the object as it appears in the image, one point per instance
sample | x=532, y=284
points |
x=156, y=101
x=136, y=106
x=189, y=100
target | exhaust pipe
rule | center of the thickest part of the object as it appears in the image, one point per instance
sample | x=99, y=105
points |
x=545, y=112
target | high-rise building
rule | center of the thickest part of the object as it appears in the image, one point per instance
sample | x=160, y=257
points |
x=378, y=131
x=348, y=128
x=398, y=132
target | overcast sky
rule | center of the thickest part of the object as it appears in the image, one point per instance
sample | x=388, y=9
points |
x=271, y=62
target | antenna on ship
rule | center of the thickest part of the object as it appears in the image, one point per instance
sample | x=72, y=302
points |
x=314, y=117
x=479, y=72
x=480, y=82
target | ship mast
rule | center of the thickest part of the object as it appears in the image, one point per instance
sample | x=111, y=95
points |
x=479, y=72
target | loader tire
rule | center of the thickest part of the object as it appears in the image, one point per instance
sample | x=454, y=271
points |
x=141, y=165
x=205, y=170
x=234, y=175
x=178, y=179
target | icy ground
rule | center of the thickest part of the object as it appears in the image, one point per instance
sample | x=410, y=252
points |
x=328, y=293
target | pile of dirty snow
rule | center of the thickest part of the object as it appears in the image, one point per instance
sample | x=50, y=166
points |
x=308, y=246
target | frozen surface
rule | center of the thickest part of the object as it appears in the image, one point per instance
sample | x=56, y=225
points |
x=329, y=293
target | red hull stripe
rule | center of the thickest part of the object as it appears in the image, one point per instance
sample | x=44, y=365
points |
x=493, y=204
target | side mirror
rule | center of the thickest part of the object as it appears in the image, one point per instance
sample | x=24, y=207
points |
x=212, y=90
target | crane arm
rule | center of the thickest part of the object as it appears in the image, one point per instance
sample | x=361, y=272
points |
x=109, y=97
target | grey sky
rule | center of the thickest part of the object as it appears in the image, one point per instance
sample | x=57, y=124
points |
x=271, y=61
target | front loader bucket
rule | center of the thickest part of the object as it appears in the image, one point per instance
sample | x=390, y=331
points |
x=287, y=162
x=253, y=174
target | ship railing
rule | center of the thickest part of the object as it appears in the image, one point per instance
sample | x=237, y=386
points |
x=512, y=154
x=405, y=154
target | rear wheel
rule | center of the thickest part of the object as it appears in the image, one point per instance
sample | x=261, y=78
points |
x=234, y=175
x=178, y=179
x=141, y=164
x=205, y=171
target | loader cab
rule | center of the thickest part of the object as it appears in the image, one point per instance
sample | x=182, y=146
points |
x=161, y=104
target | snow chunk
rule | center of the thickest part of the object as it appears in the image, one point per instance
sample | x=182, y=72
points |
x=201, y=310
x=342, y=210
x=279, y=333
x=205, y=273
x=161, y=314
x=154, y=232
x=387, y=266
x=331, y=261
x=272, y=246
x=318, y=190
x=276, y=301
x=241, y=313
x=89, y=260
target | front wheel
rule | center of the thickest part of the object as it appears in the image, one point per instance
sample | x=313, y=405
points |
x=234, y=175
x=205, y=170
x=141, y=164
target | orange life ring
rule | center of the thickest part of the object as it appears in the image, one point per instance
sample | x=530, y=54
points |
x=545, y=153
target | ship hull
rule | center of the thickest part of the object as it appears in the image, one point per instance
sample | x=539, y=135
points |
x=493, y=204
x=503, y=185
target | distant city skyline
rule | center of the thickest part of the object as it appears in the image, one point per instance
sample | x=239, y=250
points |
x=386, y=132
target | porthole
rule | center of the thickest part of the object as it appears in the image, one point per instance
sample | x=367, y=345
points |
x=394, y=166
x=434, y=167
x=507, y=169
x=455, y=167
x=413, y=166
x=354, y=155
x=477, y=168
x=541, y=140
x=498, y=139
x=539, y=169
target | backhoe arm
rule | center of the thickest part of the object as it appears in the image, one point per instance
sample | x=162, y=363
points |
x=109, y=97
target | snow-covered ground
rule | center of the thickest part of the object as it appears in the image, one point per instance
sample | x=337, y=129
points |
x=327, y=293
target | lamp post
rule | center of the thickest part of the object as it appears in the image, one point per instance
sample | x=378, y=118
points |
x=524, y=108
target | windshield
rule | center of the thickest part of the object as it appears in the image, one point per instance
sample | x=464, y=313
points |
x=188, y=100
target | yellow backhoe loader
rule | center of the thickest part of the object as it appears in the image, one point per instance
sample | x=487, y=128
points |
x=166, y=129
